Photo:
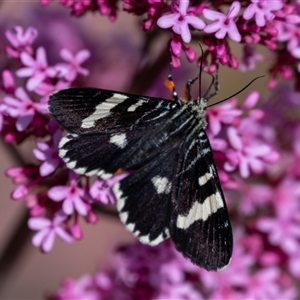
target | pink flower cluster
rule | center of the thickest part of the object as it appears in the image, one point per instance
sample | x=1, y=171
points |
x=253, y=22
x=235, y=134
x=54, y=195
x=143, y=272
x=256, y=148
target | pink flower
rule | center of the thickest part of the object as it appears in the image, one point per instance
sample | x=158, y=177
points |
x=217, y=144
x=83, y=288
x=47, y=230
x=222, y=114
x=224, y=23
x=8, y=82
x=294, y=266
x=20, y=37
x=101, y=190
x=263, y=284
x=20, y=192
x=282, y=232
x=48, y=153
x=248, y=153
x=23, y=108
x=285, y=198
x=288, y=30
x=253, y=196
x=262, y=9
x=37, y=69
x=106, y=8
x=45, y=89
x=73, y=67
x=72, y=197
x=176, y=45
x=180, y=20
x=20, y=174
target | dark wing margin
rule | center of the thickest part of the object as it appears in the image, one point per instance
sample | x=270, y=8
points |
x=200, y=226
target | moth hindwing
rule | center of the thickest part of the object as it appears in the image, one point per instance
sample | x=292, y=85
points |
x=173, y=189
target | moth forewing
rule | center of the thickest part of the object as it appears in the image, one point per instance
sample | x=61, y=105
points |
x=172, y=188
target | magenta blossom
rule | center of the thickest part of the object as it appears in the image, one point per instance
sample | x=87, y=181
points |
x=72, y=196
x=45, y=89
x=282, y=232
x=222, y=114
x=69, y=70
x=21, y=40
x=47, y=230
x=83, y=288
x=8, y=82
x=48, y=153
x=264, y=284
x=224, y=23
x=288, y=29
x=101, y=189
x=20, y=37
x=262, y=9
x=36, y=69
x=248, y=153
x=254, y=196
x=180, y=20
x=23, y=108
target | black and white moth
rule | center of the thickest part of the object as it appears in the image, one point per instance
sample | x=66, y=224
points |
x=173, y=190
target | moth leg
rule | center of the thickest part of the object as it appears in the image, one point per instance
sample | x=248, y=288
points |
x=215, y=83
x=188, y=88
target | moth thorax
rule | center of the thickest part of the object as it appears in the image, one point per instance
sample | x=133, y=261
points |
x=197, y=108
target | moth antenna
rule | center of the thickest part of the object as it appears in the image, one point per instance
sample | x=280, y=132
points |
x=191, y=81
x=238, y=91
x=200, y=69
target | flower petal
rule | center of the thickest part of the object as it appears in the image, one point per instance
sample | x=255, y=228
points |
x=39, y=237
x=24, y=120
x=63, y=235
x=80, y=206
x=233, y=32
x=27, y=59
x=66, y=55
x=167, y=21
x=195, y=21
x=48, y=241
x=24, y=72
x=38, y=223
x=58, y=193
x=212, y=27
x=183, y=6
x=82, y=56
x=68, y=207
x=234, y=9
x=48, y=166
x=212, y=15
x=41, y=57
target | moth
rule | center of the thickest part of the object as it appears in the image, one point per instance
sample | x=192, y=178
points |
x=173, y=189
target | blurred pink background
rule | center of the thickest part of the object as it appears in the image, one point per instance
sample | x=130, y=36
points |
x=35, y=275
